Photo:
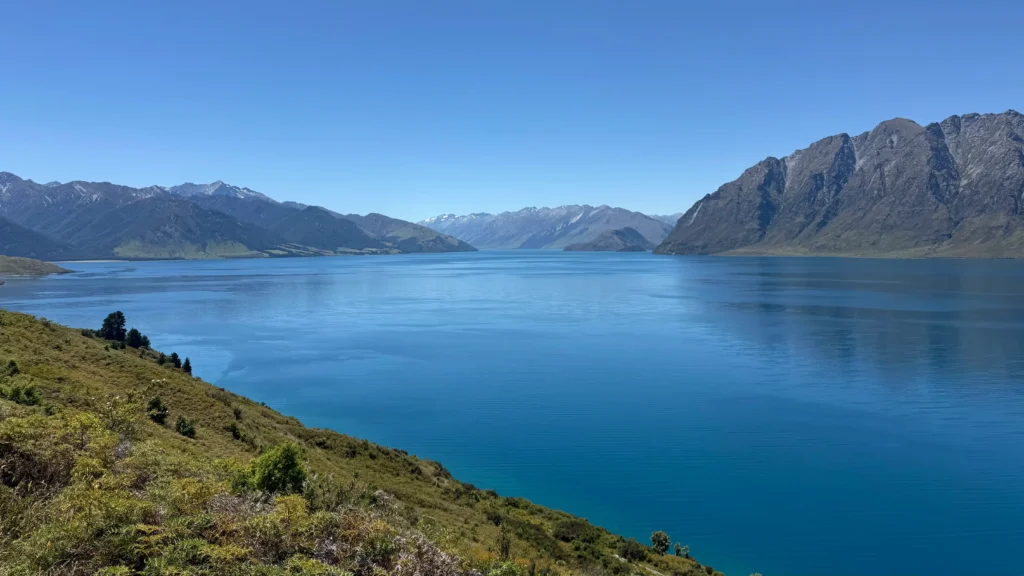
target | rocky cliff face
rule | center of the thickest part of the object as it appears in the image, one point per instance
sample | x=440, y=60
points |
x=947, y=189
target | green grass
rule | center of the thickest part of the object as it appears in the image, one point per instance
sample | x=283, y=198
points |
x=90, y=482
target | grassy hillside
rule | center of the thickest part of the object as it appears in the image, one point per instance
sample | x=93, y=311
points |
x=10, y=265
x=113, y=463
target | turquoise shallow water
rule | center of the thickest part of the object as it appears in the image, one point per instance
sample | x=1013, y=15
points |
x=787, y=416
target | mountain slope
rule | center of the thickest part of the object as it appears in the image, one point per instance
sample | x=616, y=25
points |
x=408, y=237
x=953, y=188
x=319, y=228
x=163, y=227
x=545, y=227
x=624, y=240
x=95, y=475
x=87, y=220
x=19, y=241
x=215, y=189
x=57, y=210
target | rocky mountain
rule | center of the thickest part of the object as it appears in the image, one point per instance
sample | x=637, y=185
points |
x=953, y=188
x=545, y=227
x=217, y=188
x=624, y=240
x=92, y=220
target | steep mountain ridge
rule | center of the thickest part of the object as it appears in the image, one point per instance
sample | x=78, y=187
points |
x=545, y=227
x=952, y=188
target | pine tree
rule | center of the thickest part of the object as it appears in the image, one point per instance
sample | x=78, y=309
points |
x=113, y=327
x=133, y=338
x=187, y=366
x=175, y=360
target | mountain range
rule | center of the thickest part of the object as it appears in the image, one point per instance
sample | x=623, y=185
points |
x=546, y=227
x=97, y=220
x=949, y=189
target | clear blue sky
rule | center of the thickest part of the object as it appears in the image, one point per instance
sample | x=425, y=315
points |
x=415, y=108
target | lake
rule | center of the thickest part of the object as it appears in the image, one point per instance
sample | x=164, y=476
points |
x=787, y=416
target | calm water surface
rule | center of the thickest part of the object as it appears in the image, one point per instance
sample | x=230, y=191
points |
x=789, y=416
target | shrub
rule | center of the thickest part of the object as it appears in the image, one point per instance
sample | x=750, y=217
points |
x=120, y=415
x=279, y=470
x=660, y=542
x=26, y=395
x=573, y=529
x=187, y=367
x=632, y=550
x=113, y=327
x=162, y=359
x=236, y=433
x=157, y=410
x=88, y=333
x=145, y=341
x=185, y=427
x=237, y=412
x=12, y=368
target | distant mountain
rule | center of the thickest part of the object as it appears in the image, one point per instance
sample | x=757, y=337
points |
x=319, y=228
x=380, y=232
x=953, y=188
x=20, y=241
x=545, y=227
x=624, y=240
x=92, y=220
x=217, y=188
x=409, y=237
x=170, y=228
x=670, y=219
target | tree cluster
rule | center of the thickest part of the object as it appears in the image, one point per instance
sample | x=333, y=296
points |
x=113, y=329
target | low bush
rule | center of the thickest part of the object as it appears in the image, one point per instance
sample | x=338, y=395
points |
x=157, y=410
x=185, y=427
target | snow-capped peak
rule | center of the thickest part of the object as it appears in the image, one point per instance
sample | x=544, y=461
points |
x=218, y=188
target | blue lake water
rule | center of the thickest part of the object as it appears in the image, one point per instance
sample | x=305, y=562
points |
x=787, y=416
